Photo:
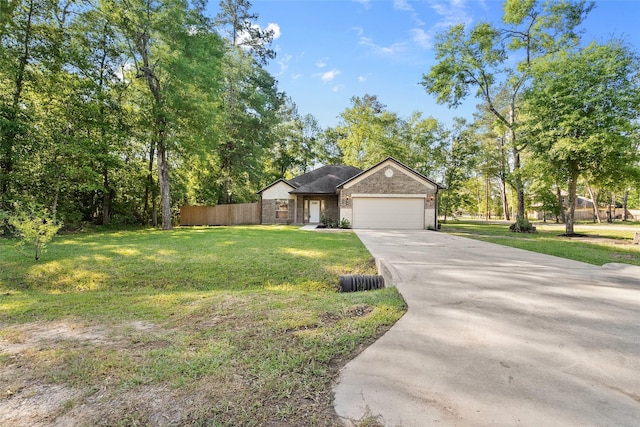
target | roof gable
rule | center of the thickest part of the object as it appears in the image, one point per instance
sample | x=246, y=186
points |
x=273, y=184
x=384, y=163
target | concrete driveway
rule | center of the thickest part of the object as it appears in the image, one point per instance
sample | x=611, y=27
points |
x=496, y=336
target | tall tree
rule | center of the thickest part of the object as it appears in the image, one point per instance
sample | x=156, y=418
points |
x=238, y=25
x=460, y=158
x=494, y=160
x=369, y=133
x=250, y=98
x=486, y=58
x=427, y=144
x=173, y=48
x=582, y=112
x=19, y=37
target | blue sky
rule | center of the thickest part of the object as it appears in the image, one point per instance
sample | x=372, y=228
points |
x=331, y=50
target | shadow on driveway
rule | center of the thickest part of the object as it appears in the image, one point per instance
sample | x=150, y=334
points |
x=497, y=336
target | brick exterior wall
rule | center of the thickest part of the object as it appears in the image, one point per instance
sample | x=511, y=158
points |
x=269, y=212
x=379, y=183
x=300, y=209
x=331, y=209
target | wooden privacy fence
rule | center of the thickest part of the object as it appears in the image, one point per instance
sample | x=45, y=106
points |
x=242, y=213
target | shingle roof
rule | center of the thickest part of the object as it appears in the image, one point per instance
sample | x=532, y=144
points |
x=323, y=180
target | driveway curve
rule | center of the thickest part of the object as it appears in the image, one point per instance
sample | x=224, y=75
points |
x=497, y=336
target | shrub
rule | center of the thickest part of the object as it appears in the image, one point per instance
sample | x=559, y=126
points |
x=522, y=225
x=35, y=228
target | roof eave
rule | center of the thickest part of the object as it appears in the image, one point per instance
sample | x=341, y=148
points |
x=274, y=183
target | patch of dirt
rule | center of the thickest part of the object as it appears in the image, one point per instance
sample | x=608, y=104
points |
x=359, y=310
x=17, y=339
x=35, y=404
x=597, y=239
x=31, y=395
x=28, y=397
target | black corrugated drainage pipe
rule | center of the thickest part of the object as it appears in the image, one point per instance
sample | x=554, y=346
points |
x=356, y=282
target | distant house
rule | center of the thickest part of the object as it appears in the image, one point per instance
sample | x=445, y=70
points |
x=387, y=195
x=584, y=209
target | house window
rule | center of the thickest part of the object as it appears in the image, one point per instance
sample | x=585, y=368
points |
x=282, y=208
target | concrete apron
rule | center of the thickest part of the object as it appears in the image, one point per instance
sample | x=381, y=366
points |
x=496, y=336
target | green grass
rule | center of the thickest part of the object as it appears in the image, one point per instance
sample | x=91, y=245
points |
x=224, y=326
x=598, y=245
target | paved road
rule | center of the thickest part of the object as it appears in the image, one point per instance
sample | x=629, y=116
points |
x=496, y=336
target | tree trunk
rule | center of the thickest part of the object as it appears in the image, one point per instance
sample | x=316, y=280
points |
x=106, y=198
x=486, y=199
x=614, y=203
x=625, y=200
x=503, y=180
x=517, y=181
x=517, y=178
x=596, y=210
x=155, y=88
x=559, y=196
x=572, y=184
x=505, y=202
x=163, y=180
x=54, y=203
x=154, y=209
x=149, y=187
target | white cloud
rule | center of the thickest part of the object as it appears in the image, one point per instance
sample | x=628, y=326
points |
x=329, y=75
x=364, y=3
x=453, y=12
x=405, y=6
x=402, y=5
x=283, y=61
x=362, y=79
x=382, y=50
x=275, y=28
x=321, y=64
x=296, y=76
x=421, y=38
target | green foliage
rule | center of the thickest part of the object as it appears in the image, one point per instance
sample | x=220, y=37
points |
x=111, y=110
x=495, y=63
x=5, y=228
x=522, y=225
x=460, y=158
x=368, y=133
x=296, y=148
x=581, y=115
x=34, y=227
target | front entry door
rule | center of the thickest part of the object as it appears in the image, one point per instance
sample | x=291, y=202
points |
x=314, y=211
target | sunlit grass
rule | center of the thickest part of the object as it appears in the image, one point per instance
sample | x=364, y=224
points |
x=600, y=244
x=248, y=319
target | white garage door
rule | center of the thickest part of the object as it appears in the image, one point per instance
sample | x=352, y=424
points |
x=388, y=212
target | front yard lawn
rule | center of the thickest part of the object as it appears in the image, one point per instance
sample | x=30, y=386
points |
x=203, y=326
x=597, y=244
